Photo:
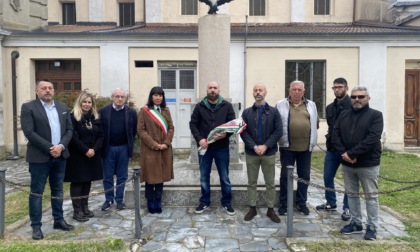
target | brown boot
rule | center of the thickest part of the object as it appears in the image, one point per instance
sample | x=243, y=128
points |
x=272, y=215
x=251, y=214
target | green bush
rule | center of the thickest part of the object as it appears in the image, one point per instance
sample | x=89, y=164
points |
x=70, y=98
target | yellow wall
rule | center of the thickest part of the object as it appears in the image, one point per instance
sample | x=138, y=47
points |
x=267, y=66
x=25, y=70
x=143, y=79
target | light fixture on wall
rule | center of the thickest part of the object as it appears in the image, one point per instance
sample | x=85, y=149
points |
x=57, y=63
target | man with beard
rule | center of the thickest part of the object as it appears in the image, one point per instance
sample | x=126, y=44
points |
x=300, y=123
x=332, y=157
x=47, y=125
x=260, y=137
x=357, y=136
x=211, y=112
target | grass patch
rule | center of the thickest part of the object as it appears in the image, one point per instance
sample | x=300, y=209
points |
x=17, y=203
x=395, y=166
x=76, y=246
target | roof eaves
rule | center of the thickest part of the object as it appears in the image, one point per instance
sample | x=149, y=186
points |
x=408, y=18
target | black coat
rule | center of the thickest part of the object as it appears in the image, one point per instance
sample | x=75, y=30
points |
x=79, y=167
x=271, y=129
x=358, y=132
x=204, y=119
x=332, y=112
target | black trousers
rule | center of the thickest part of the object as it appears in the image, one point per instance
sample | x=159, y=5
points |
x=153, y=191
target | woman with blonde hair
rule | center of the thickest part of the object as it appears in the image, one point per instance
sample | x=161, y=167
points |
x=84, y=164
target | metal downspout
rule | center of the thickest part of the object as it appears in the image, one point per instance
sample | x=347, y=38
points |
x=15, y=55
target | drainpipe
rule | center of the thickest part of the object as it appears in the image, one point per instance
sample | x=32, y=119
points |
x=246, y=36
x=15, y=55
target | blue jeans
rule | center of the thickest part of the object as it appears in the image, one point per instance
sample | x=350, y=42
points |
x=221, y=158
x=368, y=178
x=55, y=169
x=115, y=162
x=303, y=169
x=331, y=163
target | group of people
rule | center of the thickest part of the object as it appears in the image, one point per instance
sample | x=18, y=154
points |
x=89, y=144
x=353, y=140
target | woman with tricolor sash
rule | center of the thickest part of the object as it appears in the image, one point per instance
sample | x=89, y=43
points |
x=156, y=130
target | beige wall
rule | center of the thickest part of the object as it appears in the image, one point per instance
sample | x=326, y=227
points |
x=55, y=13
x=25, y=70
x=278, y=12
x=143, y=79
x=399, y=59
x=267, y=65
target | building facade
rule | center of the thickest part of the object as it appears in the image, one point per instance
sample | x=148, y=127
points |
x=99, y=45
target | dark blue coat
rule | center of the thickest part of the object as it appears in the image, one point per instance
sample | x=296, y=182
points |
x=130, y=126
x=271, y=129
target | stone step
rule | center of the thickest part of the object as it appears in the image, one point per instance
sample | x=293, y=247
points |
x=189, y=196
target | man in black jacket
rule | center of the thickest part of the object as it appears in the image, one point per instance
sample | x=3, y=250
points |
x=260, y=137
x=211, y=112
x=357, y=136
x=332, y=157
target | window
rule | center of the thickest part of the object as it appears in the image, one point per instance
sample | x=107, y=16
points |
x=69, y=13
x=322, y=7
x=257, y=7
x=181, y=74
x=189, y=7
x=126, y=14
x=312, y=73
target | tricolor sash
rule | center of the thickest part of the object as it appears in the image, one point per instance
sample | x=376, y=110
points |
x=158, y=118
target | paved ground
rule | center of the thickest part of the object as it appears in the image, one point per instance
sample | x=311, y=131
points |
x=180, y=229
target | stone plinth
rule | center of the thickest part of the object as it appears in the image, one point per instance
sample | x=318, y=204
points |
x=213, y=52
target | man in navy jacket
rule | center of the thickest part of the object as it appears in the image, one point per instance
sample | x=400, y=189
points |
x=260, y=137
x=119, y=123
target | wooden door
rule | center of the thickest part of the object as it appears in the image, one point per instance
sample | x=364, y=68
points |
x=412, y=108
x=64, y=74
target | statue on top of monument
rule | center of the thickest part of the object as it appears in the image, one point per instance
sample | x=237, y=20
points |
x=214, y=4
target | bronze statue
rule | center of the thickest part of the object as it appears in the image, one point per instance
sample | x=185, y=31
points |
x=213, y=4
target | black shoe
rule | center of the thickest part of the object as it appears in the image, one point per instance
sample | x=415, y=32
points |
x=345, y=216
x=370, y=233
x=229, y=210
x=88, y=213
x=62, y=224
x=352, y=228
x=120, y=206
x=282, y=210
x=201, y=208
x=303, y=209
x=37, y=234
x=80, y=216
x=326, y=207
x=107, y=205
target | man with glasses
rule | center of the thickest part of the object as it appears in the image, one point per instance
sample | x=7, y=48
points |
x=119, y=123
x=300, y=124
x=332, y=157
x=357, y=136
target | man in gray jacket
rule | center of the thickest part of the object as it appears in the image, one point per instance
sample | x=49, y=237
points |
x=300, y=124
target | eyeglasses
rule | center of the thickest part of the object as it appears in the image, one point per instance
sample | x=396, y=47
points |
x=360, y=97
x=337, y=87
x=119, y=97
